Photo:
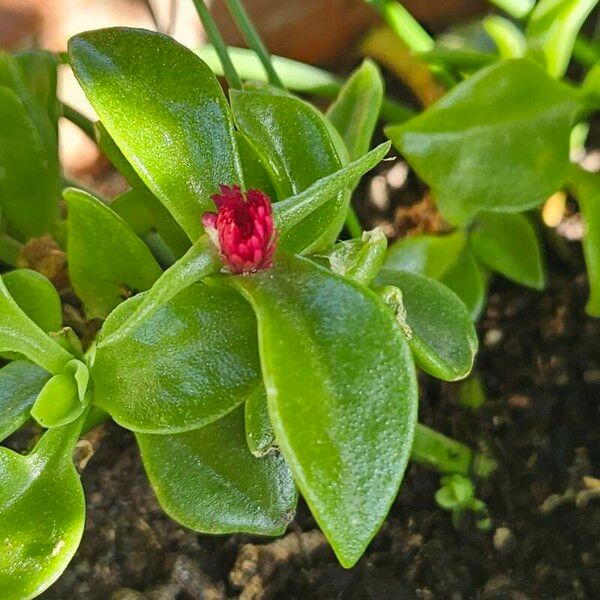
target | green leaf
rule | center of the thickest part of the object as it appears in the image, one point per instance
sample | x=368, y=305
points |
x=63, y=398
x=294, y=143
x=10, y=250
x=207, y=480
x=42, y=513
x=189, y=363
x=36, y=296
x=497, y=141
x=552, y=29
x=430, y=255
x=586, y=188
x=29, y=183
x=39, y=70
x=13, y=77
x=177, y=132
x=260, y=436
x=20, y=383
x=341, y=393
x=18, y=333
x=107, y=261
x=509, y=245
x=138, y=206
x=442, y=336
x=466, y=279
x=256, y=175
x=356, y=110
x=360, y=259
x=292, y=214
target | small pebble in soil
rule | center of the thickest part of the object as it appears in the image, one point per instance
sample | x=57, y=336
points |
x=188, y=575
x=504, y=540
x=492, y=337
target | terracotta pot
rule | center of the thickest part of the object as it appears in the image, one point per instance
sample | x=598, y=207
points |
x=322, y=31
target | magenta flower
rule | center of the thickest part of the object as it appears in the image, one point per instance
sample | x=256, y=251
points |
x=242, y=229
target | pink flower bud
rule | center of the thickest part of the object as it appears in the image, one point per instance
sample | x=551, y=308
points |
x=242, y=229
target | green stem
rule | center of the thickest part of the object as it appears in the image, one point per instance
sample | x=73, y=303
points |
x=353, y=224
x=86, y=125
x=433, y=449
x=233, y=79
x=404, y=25
x=517, y=9
x=245, y=25
x=409, y=30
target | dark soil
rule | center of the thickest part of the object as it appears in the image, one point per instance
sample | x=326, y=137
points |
x=540, y=364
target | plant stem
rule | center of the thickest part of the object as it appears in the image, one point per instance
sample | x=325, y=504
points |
x=233, y=79
x=86, y=125
x=252, y=37
x=353, y=224
x=517, y=9
x=448, y=456
x=404, y=25
x=409, y=30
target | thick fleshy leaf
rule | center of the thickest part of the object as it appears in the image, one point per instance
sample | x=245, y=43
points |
x=42, y=513
x=107, y=261
x=295, y=144
x=36, y=296
x=256, y=174
x=13, y=77
x=442, y=336
x=64, y=397
x=430, y=255
x=259, y=431
x=29, y=182
x=18, y=333
x=466, y=279
x=586, y=188
x=497, y=141
x=509, y=245
x=356, y=110
x=207, y=480
x=360, y=259
x=341, y=393
x=552, y=28
x=20, y=383
x=177, y=132
x=139, y=206
x=189, y=363
x=39, y=70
